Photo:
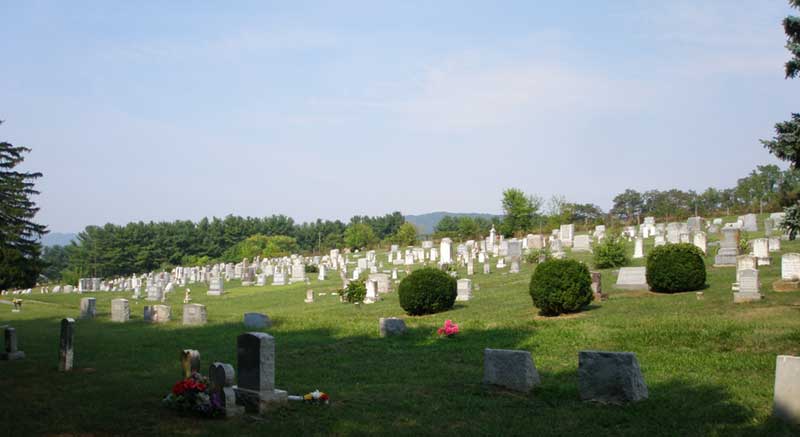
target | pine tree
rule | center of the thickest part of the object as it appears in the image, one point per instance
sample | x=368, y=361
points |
x=786, y=142
x=20, y=248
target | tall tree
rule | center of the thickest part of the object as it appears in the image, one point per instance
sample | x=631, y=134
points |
x=20, y=248
x=519, y=210
x=786, y=142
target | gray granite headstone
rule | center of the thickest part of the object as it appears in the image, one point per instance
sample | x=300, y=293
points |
x=511, y=369
x=389, y=326
x=88, y=307
x=65, y=347
x=256, y=321
x=787, y=389
x=610, y=377
x=632, y=278
x=120, y=310
x=11, y=349
x=194, y=314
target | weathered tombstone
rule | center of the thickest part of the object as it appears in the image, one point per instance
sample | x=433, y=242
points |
x=157, y=313
x=786, y=399
x=11, y=351
x=774, y=244
x=372, y=291
x=638, y=248
x=445, y=251
x=487, y=268
x=190, y=362
x=790, y=267
x=120, y=310
x=216, y=287
x=470, y=267
x=728, y=248
x=597, y=286
x=700, y=241
x=309, y=296
x=750, y=222
x=464, y=290
x=659, y=241
x=743, y=262
x=389, y=326
x=566, y=233
x=610, y=377
x=695, y=224
x=279, y=278
x=632, y=278
x=88, y=307
x=194, y=314
x=749, y=287
x=257, y=321
x=511, y=369
x=221, y=377
x=65, y=346
x=582, y=243
x=382, y=280
x=255, y=353
x=761, y=251
x=298, y=273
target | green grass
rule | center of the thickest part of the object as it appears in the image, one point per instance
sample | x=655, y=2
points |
x=709, y=364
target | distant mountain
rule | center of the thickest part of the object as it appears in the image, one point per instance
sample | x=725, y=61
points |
x=58, y=238
x=426, y=222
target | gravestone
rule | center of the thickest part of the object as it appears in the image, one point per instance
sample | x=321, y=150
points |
x=597, y=286
x=632, y=278
x=298, y=273
x=120, y=310
x=638, y=248
x=279, y=278
x=750, y=222
x=221, y=377
x=389, y=326
x=216, y=287
x=257, y=321
x=659, y=241
x=383, y=281
x=66, y=352
x=256, y=390
x=511, y=369
x=11, y=351
x=749, y=287
x=743, y=262
x=190, y=362
x=194, y=314
x=487, y=268
x=445, y=255
x=372, y=291
x=774, y=244
x=464, y=290
x=695, y=224
x=157, y=313
x=88, y=307
x=761, y=251
x=582, y=243
x=786, y=400
x=566, y=234
x=700, y=241
x=728, y=248
x=309, y=296
x=610, y=377
x=322, y=273
x=790, y=267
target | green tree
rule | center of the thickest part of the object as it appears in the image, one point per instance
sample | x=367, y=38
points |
x=627, y=205
x=519, y=210
x=54, y=259
x=406, y=235
x=359, y=235
x=20, y=249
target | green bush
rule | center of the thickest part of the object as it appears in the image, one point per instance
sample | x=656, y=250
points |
x=535, y=255
x=676, y=267
x=427, y=291
x=610, y=253
x=561, y=286
x=355, y=291
x=311, y=268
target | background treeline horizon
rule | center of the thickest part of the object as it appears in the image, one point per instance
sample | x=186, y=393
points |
x=113, y=250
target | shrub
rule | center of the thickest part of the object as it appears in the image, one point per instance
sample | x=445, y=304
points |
x=611, y=252
x=561, y=286
x=427, y=291
x=355, y=291
x=535, y=255
x=676, y=267
x=311, y=268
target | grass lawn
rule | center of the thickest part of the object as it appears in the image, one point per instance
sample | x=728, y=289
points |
x=709, y=364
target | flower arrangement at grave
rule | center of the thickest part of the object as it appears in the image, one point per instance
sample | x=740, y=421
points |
x=449, y=329
x=17, y=304
x=315, y=397
x=192, y=396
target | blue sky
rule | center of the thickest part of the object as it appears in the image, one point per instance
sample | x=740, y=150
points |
x=178, y=110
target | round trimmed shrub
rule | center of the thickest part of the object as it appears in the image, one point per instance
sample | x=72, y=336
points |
x=561, y=286
x=676, y=267
x=427, y=291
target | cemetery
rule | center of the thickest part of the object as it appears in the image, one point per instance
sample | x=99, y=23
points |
x=620, y=353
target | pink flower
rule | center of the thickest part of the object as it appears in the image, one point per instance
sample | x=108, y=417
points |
x=449, y=329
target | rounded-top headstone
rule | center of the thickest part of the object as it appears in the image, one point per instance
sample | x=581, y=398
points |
x=257, y=321
x=221, y=374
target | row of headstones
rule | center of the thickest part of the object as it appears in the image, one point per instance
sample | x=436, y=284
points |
x=193, y=314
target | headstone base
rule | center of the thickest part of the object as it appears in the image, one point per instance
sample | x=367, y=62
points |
x=782, y=285
x=11, y=356
x=247, y=283
x=214, y=293
x=746, y=297
x=260, y=401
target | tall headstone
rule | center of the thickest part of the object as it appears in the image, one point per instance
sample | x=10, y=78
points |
x=66, y=352
x=566, y=234
x=11, y=351
x=120, y=310
x=597, y=286
x=309, y=296
x=786, y=405
x=728, y=248
x=749, y=287
x=256, y=390
x=445, y=251
x=464, y=289
x=790, y=267
x=761, y=251
x=638, y=248
x=700, y=241
x=88, y=308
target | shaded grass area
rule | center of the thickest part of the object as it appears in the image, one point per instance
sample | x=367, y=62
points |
x=709, y=364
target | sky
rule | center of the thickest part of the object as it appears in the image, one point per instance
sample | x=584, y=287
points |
x=182, y=110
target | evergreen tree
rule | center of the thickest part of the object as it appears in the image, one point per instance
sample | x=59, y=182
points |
x=19, y=234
